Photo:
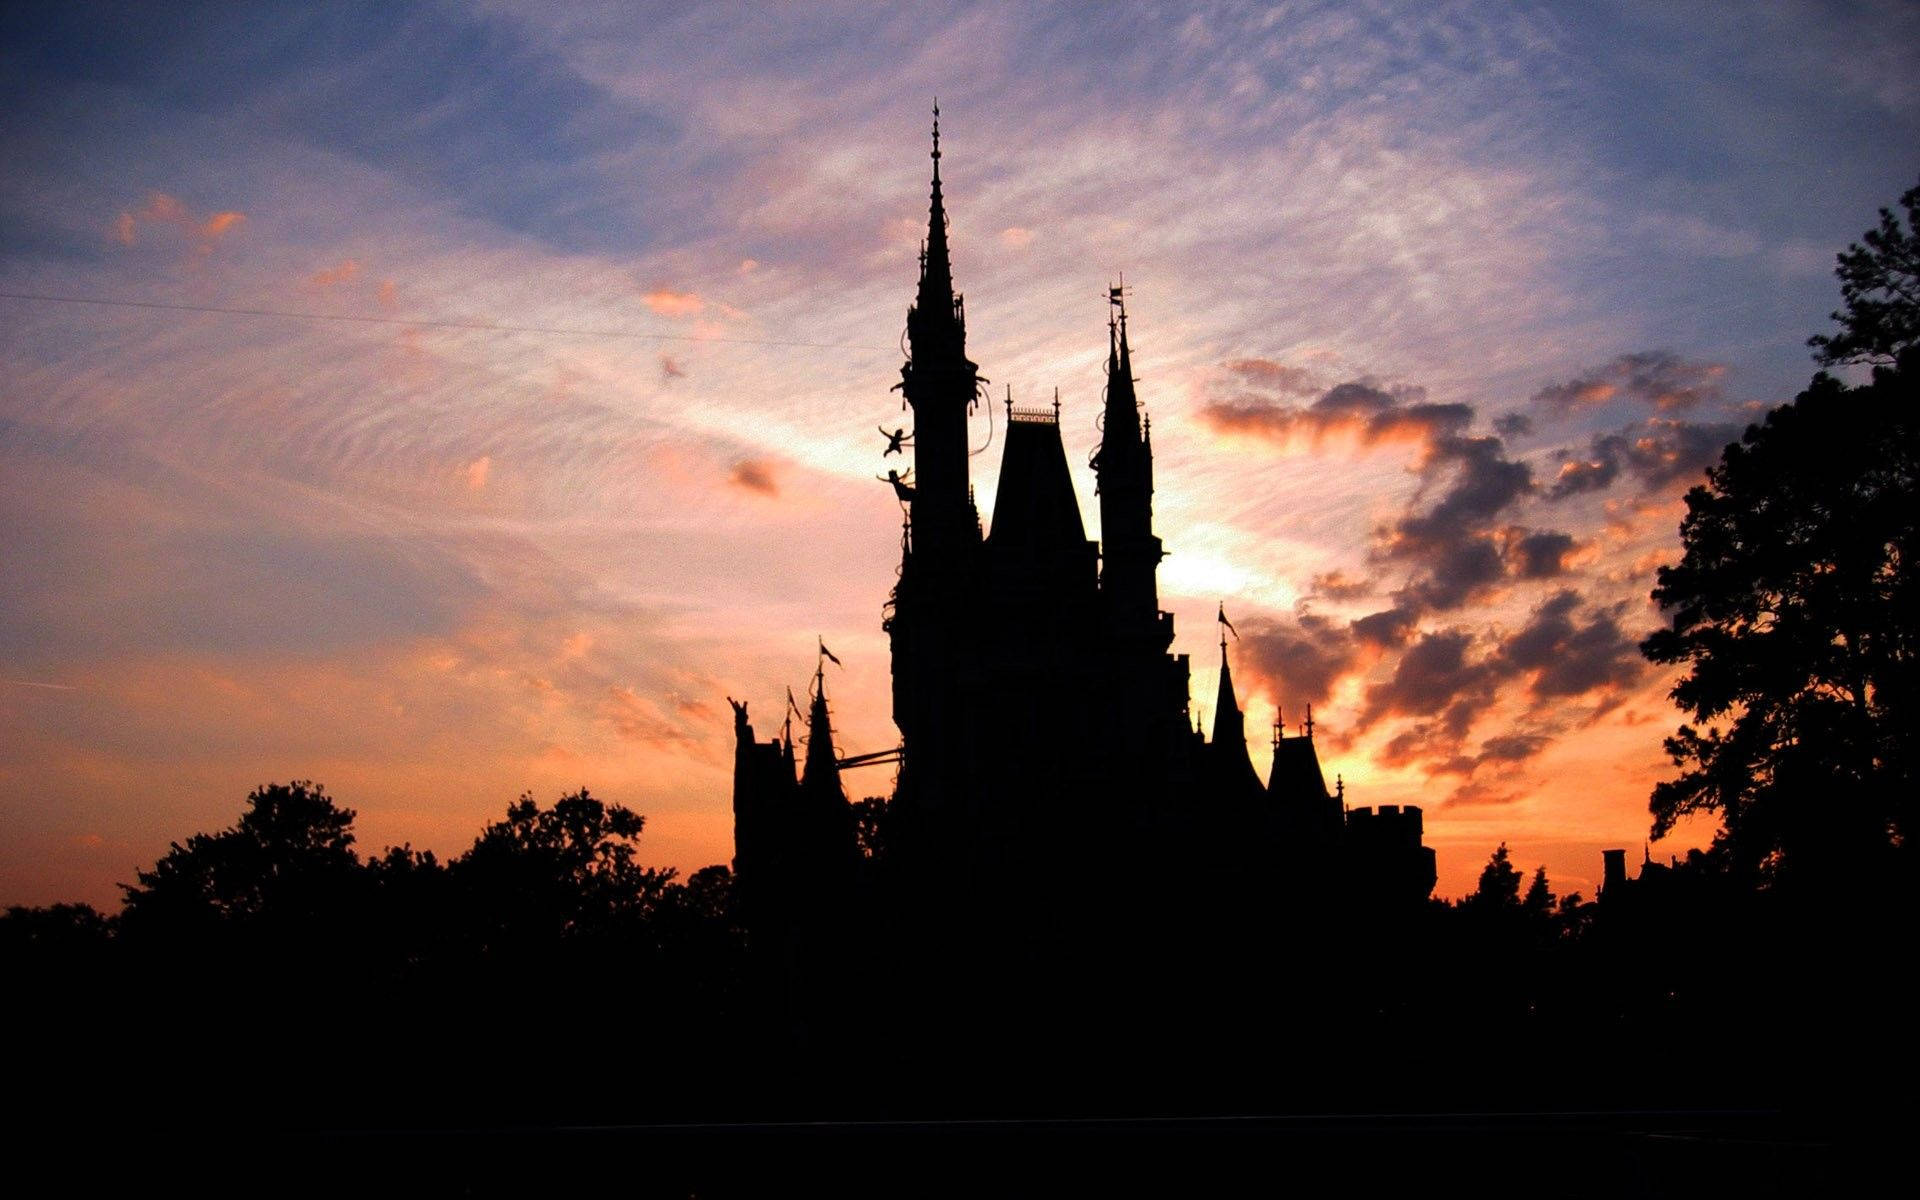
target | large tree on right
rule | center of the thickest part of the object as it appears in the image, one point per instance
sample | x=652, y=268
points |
x=1794, y=608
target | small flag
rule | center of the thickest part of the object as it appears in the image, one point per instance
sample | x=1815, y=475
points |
x=830, y=654
x=1113, y=296
x=1228, y=624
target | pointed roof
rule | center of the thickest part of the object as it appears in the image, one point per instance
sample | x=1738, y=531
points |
x=936, y=271
x=1120, y=422
x=1234, y=765
x=1035, y=509
x=1296, y=774
x=822, y=770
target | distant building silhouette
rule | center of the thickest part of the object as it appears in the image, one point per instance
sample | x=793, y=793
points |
x=1049, y=757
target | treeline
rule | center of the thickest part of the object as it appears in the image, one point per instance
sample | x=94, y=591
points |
x=269, y=973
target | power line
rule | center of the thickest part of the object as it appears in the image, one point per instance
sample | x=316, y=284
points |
x=481, y=326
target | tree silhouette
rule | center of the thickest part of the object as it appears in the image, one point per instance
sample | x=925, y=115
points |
x=1538, y=901
x=1794, y=607
x=569, y=871
x=1880, y=282
x=283, y=866
x=1795, y=612
x=1499, y=886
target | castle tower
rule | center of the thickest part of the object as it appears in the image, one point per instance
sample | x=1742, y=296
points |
x=934, y=622
x=941, y=385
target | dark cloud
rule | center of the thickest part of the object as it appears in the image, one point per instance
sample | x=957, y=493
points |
x=1656, y=452
x=1512, y=747
x=1436, y=676
x=1299, y=659
x=1387, y=628
x=1578, y=475
x=755, y=475
x=1336, y=585
x=1455, y=543
x=1513, y=424
x=1458, y=570
x=1568, y=655
x=1653, y=377
x=1538, y=554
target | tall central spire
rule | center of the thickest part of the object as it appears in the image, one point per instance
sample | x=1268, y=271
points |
x=936, y=270
x=941, y=384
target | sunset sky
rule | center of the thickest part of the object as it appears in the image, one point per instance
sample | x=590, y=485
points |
x=1438, y=310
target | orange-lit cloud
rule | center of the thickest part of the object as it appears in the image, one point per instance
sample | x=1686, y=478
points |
x=167, y=210
x=1358, y=412
x=220, y=224
x=669, y=303
x=346, y=271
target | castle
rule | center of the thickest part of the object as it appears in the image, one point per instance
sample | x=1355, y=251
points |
x=1048, y=756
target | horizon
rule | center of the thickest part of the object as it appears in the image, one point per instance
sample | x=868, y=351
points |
x=1437, y=319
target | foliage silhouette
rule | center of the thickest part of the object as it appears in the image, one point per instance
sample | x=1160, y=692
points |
x=281, y=871
x=1795, y=612
x=1499, y=886
x=546, y=875
x=1880, y=282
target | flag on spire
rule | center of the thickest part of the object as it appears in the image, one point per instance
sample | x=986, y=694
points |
x=830, y=654
x=1228, y=624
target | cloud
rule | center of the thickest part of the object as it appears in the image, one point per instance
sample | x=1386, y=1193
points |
x=1538, y=554
x=477, y=472
x=639, y=719
x=1356, y=410
x=1513, y=425
x=220, y=224
x=1337, y=585
x=1299, y=659
x=346, y=271
x=1657, y=452
x=1512, y=747
x=1653, y=377
x=755, y=475
x=1016, y=238
x=168, y=211
x=1275, y=376
x=1455, y=543
x=1567, y=655
x=669, y=303
x=1437, y=675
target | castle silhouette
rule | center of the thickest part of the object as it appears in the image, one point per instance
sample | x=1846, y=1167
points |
x=1049, y=760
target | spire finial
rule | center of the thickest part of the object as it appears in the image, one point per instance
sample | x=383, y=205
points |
x=1309, y=720
x=936, y=139
x=1276, y=730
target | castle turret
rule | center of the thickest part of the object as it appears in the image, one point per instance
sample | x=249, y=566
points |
x=1232, y=767
x=1130, y=553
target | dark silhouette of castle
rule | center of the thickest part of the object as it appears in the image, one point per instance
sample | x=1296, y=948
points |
x=1049, y=761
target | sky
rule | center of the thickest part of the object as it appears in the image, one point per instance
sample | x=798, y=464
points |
x=1437, y=310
